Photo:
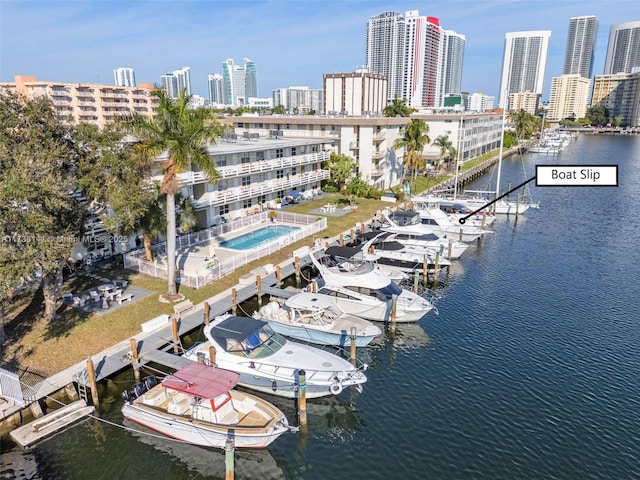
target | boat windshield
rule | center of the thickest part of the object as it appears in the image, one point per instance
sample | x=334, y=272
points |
x=389, y=290
x=262, y=343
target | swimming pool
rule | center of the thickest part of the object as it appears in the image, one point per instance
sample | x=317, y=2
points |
x=253, y=239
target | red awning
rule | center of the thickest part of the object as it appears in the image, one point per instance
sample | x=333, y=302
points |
x=202, y=381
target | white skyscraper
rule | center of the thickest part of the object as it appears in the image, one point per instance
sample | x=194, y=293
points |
x=386, y=50
x=623, y=50
x=124, y=77
x=233, y=81
x=524, y=63
x=453, y=61
x=170, y=85
x=183, y=77
x=216, y=88
x=581, y=46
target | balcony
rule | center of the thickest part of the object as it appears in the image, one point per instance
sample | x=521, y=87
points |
x=379, y=155
x=234, y=194
x=379, y=136
x=354, y=145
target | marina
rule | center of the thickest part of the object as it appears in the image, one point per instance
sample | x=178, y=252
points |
x=528, y=371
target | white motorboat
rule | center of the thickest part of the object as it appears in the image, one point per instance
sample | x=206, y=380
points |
x=361, y=288
x=428, y=209
x=197, y=405
x=422, y=243
x=317, y=319
x=422, y=223
x=393, y=255
x=269, y=363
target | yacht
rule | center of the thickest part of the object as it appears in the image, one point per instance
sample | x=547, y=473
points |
x=423, y=243
x=361, y=288
x=429, y=220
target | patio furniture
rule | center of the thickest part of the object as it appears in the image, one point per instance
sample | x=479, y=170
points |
x=95, y=296
x=121, y=283
x=124, y=298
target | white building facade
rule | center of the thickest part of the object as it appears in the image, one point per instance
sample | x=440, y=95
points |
x=385, y=50
x=124, y=77
x=569, y=97
x=623, y=49
x=524, y=64
x=358, y=93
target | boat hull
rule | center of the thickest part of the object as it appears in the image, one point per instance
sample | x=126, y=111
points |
x=318, y=337
x=186, y=430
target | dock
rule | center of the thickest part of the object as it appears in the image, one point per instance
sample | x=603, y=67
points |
x=51, y=423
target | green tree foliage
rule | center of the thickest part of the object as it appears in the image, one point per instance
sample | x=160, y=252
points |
x=597, y=116
x=444, y=144
x=397, y=108
x=182, y=134
x=40, y=220
x=278, y=110
x=342, y=168
x=524, y=123
x=510, y=139
x=415, y=136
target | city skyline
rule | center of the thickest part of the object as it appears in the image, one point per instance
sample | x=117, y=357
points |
x=293, y=43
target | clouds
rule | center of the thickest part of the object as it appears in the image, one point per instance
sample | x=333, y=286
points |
x=292, y=42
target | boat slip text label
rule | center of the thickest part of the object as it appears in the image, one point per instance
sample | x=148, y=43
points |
x=577, y=175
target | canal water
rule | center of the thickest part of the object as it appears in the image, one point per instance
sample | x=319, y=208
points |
x=530, y=371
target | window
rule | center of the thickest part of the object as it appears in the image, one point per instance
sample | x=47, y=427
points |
x=221, y=161
x=245, y=158
x=279, y=173
x=279, y=152
x=293, y=151
x=246, y=181
x=259, y=156
x=294, y=171
x=223, y=210
x=247, y=203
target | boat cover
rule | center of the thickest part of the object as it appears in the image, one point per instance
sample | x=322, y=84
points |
x=203, y=381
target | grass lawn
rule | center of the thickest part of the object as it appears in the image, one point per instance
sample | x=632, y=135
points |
x=48, y=348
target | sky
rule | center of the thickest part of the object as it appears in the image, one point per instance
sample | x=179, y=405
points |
x=291, y=42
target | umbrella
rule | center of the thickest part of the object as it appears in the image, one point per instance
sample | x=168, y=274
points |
x=294, y=194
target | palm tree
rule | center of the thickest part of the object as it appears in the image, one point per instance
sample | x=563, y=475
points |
x=182, y=134
x=414, y=138
x=523, y=121
x=445, y=145
x=397, y=108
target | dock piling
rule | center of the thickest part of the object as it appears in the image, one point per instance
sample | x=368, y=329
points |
x=91, y=372
x=394, y=306
x=296, y=262
x=278, y=274
x=259, y=287
x=234, y=301
x=229, y=458
x=302, y=398
x=416, y=276
x=134, y=359
x=212, y=355
x=174, y=334
x=450, y=249
x=207, y=310
x=352, y=335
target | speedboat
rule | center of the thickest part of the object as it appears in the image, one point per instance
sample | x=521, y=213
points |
x=425, y=243
x=361, y=288
x=197, y=405
x=393, y=255
x=317, y=319
x=269, y=363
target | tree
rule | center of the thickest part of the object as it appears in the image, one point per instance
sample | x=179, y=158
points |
x=598, y=116
x=183, y=135
x=40, y=220
x=443, y=142
x=397, y=108
x=414, y=138
x=341, y=167
x=524, y=122
x=278, y=110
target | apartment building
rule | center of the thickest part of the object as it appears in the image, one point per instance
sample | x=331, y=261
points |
x=369, y=140
x=85, y=102
x=358, y=93
x=619, y=93
x=526, y=100
x=569, y=97
x=254, y=171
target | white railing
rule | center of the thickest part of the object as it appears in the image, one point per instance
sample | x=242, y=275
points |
x=309, y=225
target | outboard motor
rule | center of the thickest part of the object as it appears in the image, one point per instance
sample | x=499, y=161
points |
x=150, y=382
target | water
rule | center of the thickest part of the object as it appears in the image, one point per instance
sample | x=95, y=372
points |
x=253, y=239
x=529, y=372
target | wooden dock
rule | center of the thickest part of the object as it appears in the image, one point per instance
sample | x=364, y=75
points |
x=51, y=423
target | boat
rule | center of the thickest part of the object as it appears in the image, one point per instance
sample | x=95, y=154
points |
x=269, y=363
x=428, y=218
x=361, y=288
x=393, y=255
x=197, y=405
x=425, y=243
x=314, y=318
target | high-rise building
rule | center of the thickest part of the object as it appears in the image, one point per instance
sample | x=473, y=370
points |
x=422, y=61
x=358, y=93
x=170, y=85
x=183, y=77
x=619, y=93
x=568, y=97
x=216, y=89
x=298, y=99
x=240, y=82
x=623, y=50
x=453, y=61
x=385, y=53
x=124, y=77
x=581, y=46
x=479, y=102
x=177, y=81
x=523, y=64
x=250, y=79
x=424, y=55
